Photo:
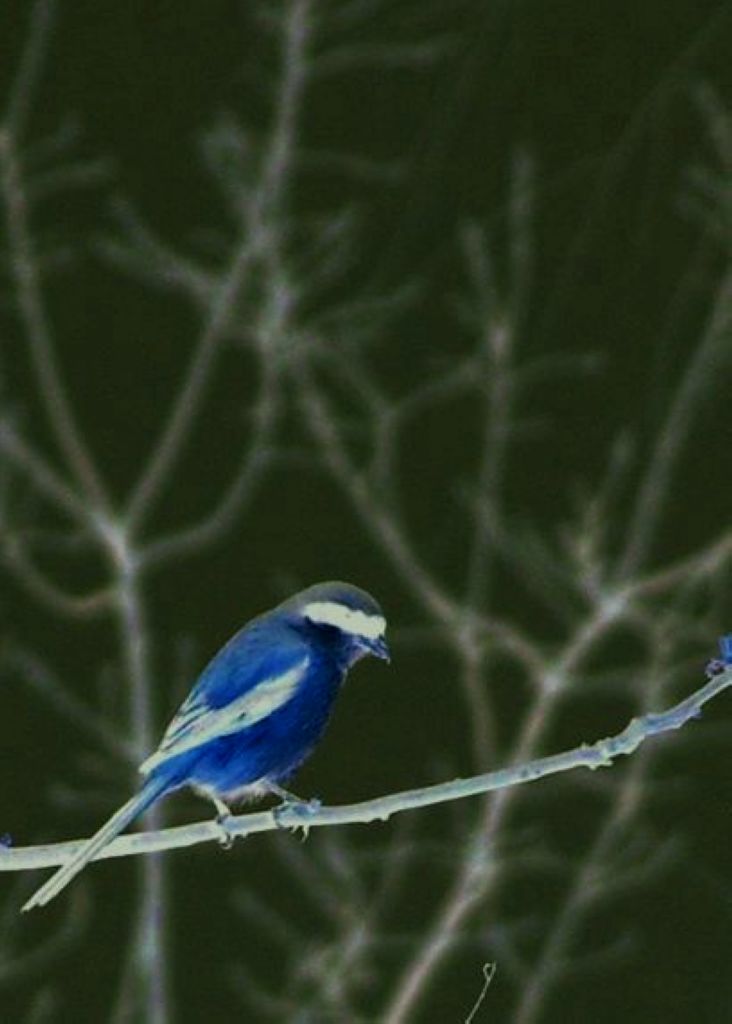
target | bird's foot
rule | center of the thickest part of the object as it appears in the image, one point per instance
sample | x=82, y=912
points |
x=298, y=811
x=226, y=839
x=223, y=820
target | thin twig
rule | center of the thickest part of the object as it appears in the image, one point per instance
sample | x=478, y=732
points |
x=47, y=592
x=266, y=199
x=713, y=347
x=37, y=325
x=46, y=481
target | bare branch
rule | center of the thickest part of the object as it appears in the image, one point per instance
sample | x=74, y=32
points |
x=267, y=198
x=600, y=754
x=255, y=458
x=382, y=525
x=42, y=587
x=25, y=85
x=37, y=326
x=713, y=348
x=46, y=481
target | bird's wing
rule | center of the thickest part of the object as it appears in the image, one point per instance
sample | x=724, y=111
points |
x=247, y=680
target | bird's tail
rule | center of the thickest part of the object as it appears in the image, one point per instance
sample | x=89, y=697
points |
x=139, y=803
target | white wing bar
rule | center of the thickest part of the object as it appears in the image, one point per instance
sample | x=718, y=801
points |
x=209, y=723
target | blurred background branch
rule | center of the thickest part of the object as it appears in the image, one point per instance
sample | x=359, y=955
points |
x=408, y=296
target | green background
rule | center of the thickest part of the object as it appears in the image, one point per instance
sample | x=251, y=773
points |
x=604, y=100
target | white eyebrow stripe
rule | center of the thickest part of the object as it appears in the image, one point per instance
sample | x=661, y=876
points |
x=192, y=731
x=331, y=613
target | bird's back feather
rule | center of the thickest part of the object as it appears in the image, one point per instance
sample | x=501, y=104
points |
x=260, y=665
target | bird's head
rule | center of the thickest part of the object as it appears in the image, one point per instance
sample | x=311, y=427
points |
x=344, y=617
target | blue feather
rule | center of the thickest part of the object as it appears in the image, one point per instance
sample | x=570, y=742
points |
x=257, y=710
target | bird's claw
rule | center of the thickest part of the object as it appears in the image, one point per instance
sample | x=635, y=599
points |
x=301, y=808
x=226, y=839
x=714, y=668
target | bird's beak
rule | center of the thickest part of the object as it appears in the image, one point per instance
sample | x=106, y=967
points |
x=379, y=649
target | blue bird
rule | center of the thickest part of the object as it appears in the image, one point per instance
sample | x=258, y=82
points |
x=256, y=712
